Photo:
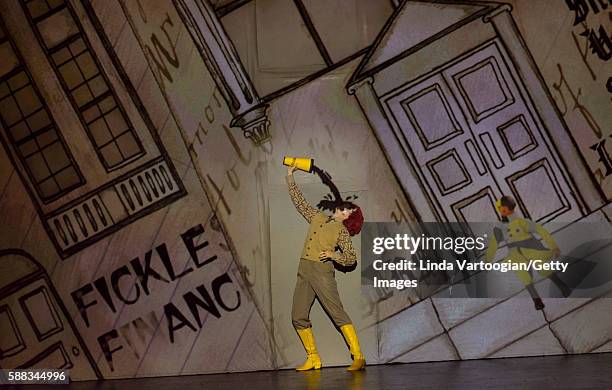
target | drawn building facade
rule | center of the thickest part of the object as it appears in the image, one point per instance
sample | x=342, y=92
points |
x=461, y=108
x=129, y=125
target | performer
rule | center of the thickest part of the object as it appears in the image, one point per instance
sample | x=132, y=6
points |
x=316, y=269
x=519, y=236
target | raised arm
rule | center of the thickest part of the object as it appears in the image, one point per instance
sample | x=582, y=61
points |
x=298, y=200
x=348, y=255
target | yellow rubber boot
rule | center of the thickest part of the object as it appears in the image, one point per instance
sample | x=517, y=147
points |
x=313, y=361
x=348, y=331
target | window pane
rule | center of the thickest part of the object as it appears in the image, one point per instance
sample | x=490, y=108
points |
x=56, y=28
x=127, y=145
x=19, y=98
x=100, y=132
x=91, y=96
x=67, y=178
x=9, y=61
x=39, y=120
x=9, y=111
x=27, y=100
x=56, y=157
x=71, y=74
x=19, y=130
x=38, y=167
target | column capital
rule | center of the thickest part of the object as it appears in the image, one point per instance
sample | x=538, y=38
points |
x=502, y=8
x=254, y=124
x=351, y=89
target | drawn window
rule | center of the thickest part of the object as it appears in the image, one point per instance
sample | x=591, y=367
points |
x=38, y=307
x=11, y=341
x=31, y=129
x=85, y=82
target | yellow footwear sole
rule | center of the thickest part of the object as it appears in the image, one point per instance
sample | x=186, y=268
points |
x=311, y=363
x=358, y=364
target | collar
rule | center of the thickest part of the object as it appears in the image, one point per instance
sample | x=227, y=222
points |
x=330, y=219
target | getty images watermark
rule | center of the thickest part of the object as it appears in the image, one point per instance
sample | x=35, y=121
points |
x=487, y=260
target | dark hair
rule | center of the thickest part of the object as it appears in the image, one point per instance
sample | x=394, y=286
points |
x=355, y=221
x=334, y=201
x=508, y=202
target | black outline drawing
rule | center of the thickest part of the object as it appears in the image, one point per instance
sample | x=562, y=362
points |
x=40, y=274
x=450, y=153
x=363, y=77
x=42, y=358
x=479, y=163
x=314, y=34
x=20, y=346
x=477, y=115
x=540, y=164
x=485, y=192
x=75, y=225
x=21, y=68
x=26, y=309
x=489, y=144
x=97, y=100
x=430, y=144
x=514, y=154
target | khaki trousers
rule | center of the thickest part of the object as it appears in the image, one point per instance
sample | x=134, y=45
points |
x=316, y=279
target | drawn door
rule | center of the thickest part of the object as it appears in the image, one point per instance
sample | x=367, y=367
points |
x=511, y=137
x=472, y=137
x=35, y=331
x=444, y=152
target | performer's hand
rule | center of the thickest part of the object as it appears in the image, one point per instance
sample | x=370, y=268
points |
x=326, y=254
x=556, y=252
x=291, y=169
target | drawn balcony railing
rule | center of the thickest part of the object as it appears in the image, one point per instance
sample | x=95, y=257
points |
x=151, y=187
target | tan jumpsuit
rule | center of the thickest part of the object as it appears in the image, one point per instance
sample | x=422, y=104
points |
x=316, y=277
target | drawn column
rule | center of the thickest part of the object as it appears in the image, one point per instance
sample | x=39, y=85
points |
x=221, y=59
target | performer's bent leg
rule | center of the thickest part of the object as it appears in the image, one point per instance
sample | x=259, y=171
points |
x=326, y=289
x=527, y=280
x=303, y=297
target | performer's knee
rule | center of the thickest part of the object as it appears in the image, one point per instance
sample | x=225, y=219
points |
x=341, y=319
x=300, y=323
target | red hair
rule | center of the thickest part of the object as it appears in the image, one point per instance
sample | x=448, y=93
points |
x=355, y=221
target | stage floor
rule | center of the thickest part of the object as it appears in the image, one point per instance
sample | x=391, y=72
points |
x=593, y=371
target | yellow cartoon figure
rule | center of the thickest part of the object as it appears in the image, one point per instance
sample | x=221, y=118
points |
x=520, y=235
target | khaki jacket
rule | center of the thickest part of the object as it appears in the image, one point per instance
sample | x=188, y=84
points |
x=324, y=233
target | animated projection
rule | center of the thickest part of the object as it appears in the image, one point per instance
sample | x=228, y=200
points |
x=147, y=226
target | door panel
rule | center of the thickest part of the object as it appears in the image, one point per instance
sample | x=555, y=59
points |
x=472, y=137
x=511, y=135
x=37, y=334
x=442, y=147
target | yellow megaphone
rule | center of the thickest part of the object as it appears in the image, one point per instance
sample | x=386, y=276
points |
x=302, y=163
x=498, y=204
